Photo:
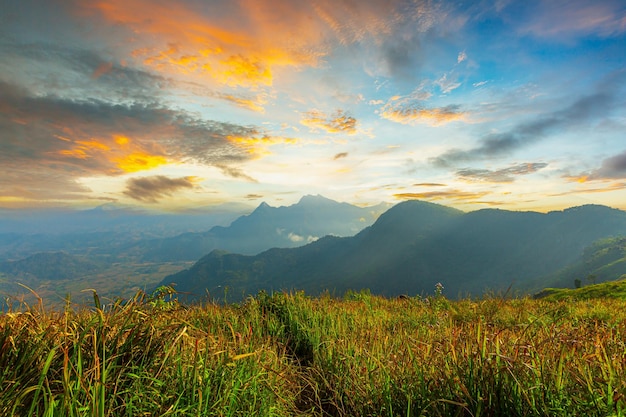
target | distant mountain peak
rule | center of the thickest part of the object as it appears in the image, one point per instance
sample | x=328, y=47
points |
x=110, y=207
x=313, y=198
x=317, y=200
x=262, y=207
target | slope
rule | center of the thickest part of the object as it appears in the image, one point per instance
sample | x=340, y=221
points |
x=604, y=260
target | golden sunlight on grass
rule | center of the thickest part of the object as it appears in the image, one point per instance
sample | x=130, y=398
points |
x=288, y=354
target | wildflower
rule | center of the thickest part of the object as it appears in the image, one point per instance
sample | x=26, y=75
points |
x=438, y=289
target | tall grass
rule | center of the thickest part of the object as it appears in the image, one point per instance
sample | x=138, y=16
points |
x=289, y=354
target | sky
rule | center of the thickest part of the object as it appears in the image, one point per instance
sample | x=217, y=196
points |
x=170, y=105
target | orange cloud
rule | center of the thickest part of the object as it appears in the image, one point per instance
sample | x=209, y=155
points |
x=93, y=144
x=213, y=42
x=74, y=153
x=244, y=43
x=139, y=162
x=338, y=122
x=121, y=140
x=433, y=117
x=63, y=140
x=160, y=59
x=412, y=109
x=442, y=195
x=582, y=178
x=83, y=149
x=255, y=104
x=258, y=146
x=130, y=156
x=122, y=152
x=239, y=68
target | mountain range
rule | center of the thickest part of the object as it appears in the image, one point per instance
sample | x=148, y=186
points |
x=412, y=247
x=266, y=227
x=115, y=218
x=105, y=229
x=117, y=250
x=122, y=234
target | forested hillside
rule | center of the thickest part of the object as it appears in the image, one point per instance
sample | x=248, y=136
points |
x=413, y=246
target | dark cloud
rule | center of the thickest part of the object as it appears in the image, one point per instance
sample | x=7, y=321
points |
x=582, y=111
x=74, y=73
x=102, y=69
x=253, y=196
x=500, y=175
x=400, y=50
x=401, y=58
x=67, y=139
x=42, y=120
x=235, y=173
x=613, y=167
x=566, y=20
x=340, y=155
x=152, y=189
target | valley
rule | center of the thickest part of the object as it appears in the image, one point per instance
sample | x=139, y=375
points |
x=113, y=282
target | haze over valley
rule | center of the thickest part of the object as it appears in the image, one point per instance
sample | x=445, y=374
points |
x=129, y=250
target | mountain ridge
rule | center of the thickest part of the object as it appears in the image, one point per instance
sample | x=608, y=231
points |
x=267, y=227
x=413, y=246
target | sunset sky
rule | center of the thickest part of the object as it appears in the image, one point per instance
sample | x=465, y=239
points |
x=168, y=105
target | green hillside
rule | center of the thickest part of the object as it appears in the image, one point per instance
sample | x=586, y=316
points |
x=604, y=260
x=605, y=290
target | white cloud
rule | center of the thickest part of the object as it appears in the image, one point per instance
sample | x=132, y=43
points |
x=297, y=238
x=447, y=85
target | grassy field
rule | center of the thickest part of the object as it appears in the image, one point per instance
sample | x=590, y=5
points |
x=288, y=354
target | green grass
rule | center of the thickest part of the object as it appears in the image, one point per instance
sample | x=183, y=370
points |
x=289, y=354
x=611, y=289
